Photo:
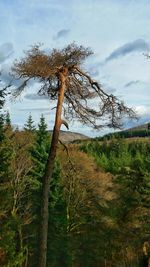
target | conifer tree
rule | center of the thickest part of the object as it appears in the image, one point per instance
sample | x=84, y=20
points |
x=58, y=253
x=42, y=133
x=2, y=97
x=6, y=233
x=1, y=127
x=7, y=119
x=2, y=101
x=39, y=152
x=29, y=126
x=57, y=211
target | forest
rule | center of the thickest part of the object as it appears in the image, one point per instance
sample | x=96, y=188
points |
x=74, y=133
x=99, y=208
x=143, y=132
x=83, y=204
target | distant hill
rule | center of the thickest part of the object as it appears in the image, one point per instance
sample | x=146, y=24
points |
x=137, y=131
x=139, y=127
x=68, y=137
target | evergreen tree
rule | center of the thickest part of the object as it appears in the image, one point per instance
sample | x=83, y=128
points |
x=2, y=99
x=58, y=253
x=7, y=119
x=42, y=134
x=7, y=233
x=29, y=126
x=39, y=154
x=57, y=209
x=1, y=127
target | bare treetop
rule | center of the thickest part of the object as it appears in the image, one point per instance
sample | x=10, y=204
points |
x=79, y=86
x=39, y=64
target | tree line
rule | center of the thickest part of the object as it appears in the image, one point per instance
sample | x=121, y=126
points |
x=127, y=134
x=98, y=209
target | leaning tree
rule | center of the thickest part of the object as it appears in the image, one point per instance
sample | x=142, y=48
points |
x=62, y=78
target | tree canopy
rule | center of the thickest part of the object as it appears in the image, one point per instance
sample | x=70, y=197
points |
x=108, y=110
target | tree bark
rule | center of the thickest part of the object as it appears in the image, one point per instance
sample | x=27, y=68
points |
x=49, y=170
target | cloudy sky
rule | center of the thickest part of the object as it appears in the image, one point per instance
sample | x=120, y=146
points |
x=116, y=30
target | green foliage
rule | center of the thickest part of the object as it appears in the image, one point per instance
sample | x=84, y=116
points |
x=7, y=120
x=5, y=150
x=84, y=229
x=29, y=126
x=23, y=159
x=127, y=134
x=11, y=198
x=114, y=154
x=130, y=163
x=2, y=130
x=10, y=243
x=39, y=151
x=2, y=98
x=58, y=249
x=57, y=241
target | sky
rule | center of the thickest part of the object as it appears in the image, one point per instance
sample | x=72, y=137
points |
x=116, y=30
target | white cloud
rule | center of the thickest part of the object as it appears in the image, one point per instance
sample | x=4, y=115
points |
x=143, y=110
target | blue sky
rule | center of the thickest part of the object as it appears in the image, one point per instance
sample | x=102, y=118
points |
x=116, y=30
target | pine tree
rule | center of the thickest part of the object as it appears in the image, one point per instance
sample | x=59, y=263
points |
x=39, y=154
x=1, y=127
x=29, y=126
x=2, y=99
x=57, y=208
x=7, y=119
x=42, y=133
x=6, y=233
x=58, y=253
x=40, y=150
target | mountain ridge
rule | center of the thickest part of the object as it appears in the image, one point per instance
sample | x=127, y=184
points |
x=68, y=136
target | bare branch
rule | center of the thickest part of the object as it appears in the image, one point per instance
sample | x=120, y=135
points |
x=81, y=90
x=65, y=123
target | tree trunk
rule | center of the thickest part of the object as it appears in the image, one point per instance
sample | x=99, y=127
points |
x=49, y=171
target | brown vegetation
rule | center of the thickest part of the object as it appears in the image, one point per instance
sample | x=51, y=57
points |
x=62, y=78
